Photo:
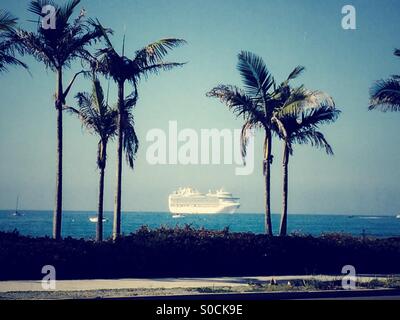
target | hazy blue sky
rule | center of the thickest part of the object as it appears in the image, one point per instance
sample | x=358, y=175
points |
x=363, y=177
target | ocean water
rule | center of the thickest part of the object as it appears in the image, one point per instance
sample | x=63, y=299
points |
x=78, y=225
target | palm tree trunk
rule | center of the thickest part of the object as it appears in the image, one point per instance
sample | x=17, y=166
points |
x=267, y=174
x=285, y=165
x=117, y=202
x=58, y=205
x=99, y=229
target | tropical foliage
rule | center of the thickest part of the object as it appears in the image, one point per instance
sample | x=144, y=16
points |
x=278, y=109
x=146, y=61
x=56, y=49
x=100, y=119
x=8, y=47
x=258, y=102
x=385, y=94
x=301, y=126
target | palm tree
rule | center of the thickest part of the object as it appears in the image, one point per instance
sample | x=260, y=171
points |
x=257, y=103
x=7, y=45
x=57, y=49
x=122, y=69
x=300, y=125
x=97, y=116
x=385, y=94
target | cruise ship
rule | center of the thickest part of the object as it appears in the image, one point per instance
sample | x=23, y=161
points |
x=190, y=201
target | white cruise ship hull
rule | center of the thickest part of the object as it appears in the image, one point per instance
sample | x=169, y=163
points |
x=203, y=210
x=188, y=201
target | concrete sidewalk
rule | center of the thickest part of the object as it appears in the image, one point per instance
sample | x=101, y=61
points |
x=164, y=283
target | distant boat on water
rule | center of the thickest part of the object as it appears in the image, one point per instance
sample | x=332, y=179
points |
x=177, y=216
x=16, y=213
x=398, y=216
x=96, y=219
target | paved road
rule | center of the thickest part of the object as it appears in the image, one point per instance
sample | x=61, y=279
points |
x=381, y=294
x=182, y=289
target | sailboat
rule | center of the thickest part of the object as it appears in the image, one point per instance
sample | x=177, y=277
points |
x=16, y=213
x=96, y=219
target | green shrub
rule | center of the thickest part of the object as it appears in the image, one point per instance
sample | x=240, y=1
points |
x=171, y=252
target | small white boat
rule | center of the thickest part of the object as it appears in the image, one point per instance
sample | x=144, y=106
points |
x=177, y=216
x=16, y=213
x=95, y=219
x=398, y=216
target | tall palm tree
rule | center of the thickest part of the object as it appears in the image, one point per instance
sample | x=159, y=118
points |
x=57, y=49
x=385, y=94
x=121, y=69
x=300, y=125
x=100, y=119
x=8, y=47
x=257, y=103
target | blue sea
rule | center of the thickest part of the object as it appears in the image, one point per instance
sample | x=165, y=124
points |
x=78, y=225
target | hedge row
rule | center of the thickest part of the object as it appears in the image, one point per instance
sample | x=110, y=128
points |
x=188, y=252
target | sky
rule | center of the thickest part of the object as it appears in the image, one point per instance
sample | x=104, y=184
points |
x=362, y=178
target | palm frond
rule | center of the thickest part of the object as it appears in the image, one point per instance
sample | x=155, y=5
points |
x=130, y=101
x=155, y=69
x=155, y=52
x=247, y=131
x=58, y=47
x=37, y=6
x=98, y=97
x=63, y=12
x=68, y=8
x=83, y=39
x=255, y=75
x=7, y=21
x=145, y=61
x=104, y=33
x=291, y=100
x=385, y=95
x=294, y=101
x=71, y=110
x=87, y=111
x=95, y=114
x=296, y=73
x=35, y=46
x=239, y=102
x=314, y=138
x=9, y=45
x=8, y=60
x=288, y=125
x=299, y=119
x=315, y=117
x=130, y=139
